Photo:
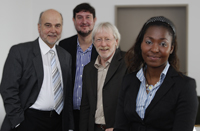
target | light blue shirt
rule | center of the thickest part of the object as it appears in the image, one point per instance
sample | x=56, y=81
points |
x=82, y=59
x=143, y=99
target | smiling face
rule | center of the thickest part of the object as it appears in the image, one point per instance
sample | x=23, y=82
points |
x=156, y=46
x=84, y=23
x=105, y=44
x=50, y=27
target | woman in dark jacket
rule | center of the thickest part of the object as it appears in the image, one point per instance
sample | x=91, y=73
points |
x=155, y=96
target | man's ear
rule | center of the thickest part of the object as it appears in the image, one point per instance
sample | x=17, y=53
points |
x=73, y=19
x=117, y=43
x=39, y=27
x=95, y=19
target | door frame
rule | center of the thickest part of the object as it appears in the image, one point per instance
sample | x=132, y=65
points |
x=117, y=7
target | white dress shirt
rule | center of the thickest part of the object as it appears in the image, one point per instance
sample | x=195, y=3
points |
x=45, y=100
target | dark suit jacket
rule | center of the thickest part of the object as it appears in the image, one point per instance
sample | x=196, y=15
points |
x=22, y=80
x=110, y=92
x=173, y=108
x=70, y=45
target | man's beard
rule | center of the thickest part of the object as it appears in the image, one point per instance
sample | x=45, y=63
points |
x=83, y=33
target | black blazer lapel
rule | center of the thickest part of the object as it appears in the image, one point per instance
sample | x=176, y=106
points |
x=73, y=51
x=37, y=61
x=115, y=63
x=164, y=88
x=135, y=85
x=94, y=53
x=93, y=79
x=63, y=66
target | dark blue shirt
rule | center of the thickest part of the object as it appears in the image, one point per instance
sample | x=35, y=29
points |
x=82, y=59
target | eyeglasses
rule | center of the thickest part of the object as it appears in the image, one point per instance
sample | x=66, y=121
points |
x=106, y=40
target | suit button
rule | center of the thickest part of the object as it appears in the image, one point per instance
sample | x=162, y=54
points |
x=143, y=123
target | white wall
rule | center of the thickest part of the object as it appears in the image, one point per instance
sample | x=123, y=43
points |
x=15, y=26
x=19, y=24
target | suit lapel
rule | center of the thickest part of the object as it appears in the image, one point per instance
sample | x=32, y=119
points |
x=74, y=49
x=94, y=53
x=116, y=61
x=135, y=85
x=93, y=79
x=37, y=61
x=164, y=88
x=63, y=64
x=63, y=67
x=73, y=52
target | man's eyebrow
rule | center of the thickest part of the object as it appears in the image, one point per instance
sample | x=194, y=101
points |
x=47, y=23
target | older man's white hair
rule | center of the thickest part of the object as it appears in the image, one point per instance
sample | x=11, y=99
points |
x=106, y=26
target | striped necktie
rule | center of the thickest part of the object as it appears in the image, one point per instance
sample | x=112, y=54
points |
x=57, y=87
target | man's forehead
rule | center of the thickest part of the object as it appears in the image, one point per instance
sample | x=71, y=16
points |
x=87, y=13
x=57, y=23
x=51, y=20
x=51, y=15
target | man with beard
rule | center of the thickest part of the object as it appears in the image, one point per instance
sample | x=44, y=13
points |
x=82, y=51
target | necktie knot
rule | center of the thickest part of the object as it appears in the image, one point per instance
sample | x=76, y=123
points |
x=52, y=53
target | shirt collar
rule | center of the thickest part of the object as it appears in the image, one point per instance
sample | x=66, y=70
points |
x=44, y=47
x=140, y=73
x=97, y=63
x=79, y=47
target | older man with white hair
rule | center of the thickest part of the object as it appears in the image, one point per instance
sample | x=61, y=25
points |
x=102, y=80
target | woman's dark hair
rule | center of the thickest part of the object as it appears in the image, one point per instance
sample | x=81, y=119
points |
x=133, y=56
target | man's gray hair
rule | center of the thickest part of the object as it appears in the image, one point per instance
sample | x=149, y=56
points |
x=106, y=26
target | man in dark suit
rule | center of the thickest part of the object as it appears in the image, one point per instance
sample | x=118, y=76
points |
x=34, y=73
x=102, y=80
x=82, y=51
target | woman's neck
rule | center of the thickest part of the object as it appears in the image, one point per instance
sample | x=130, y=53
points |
x=152, y=75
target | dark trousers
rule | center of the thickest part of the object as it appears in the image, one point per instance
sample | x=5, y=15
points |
x=36, y=120
x=76, y=114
